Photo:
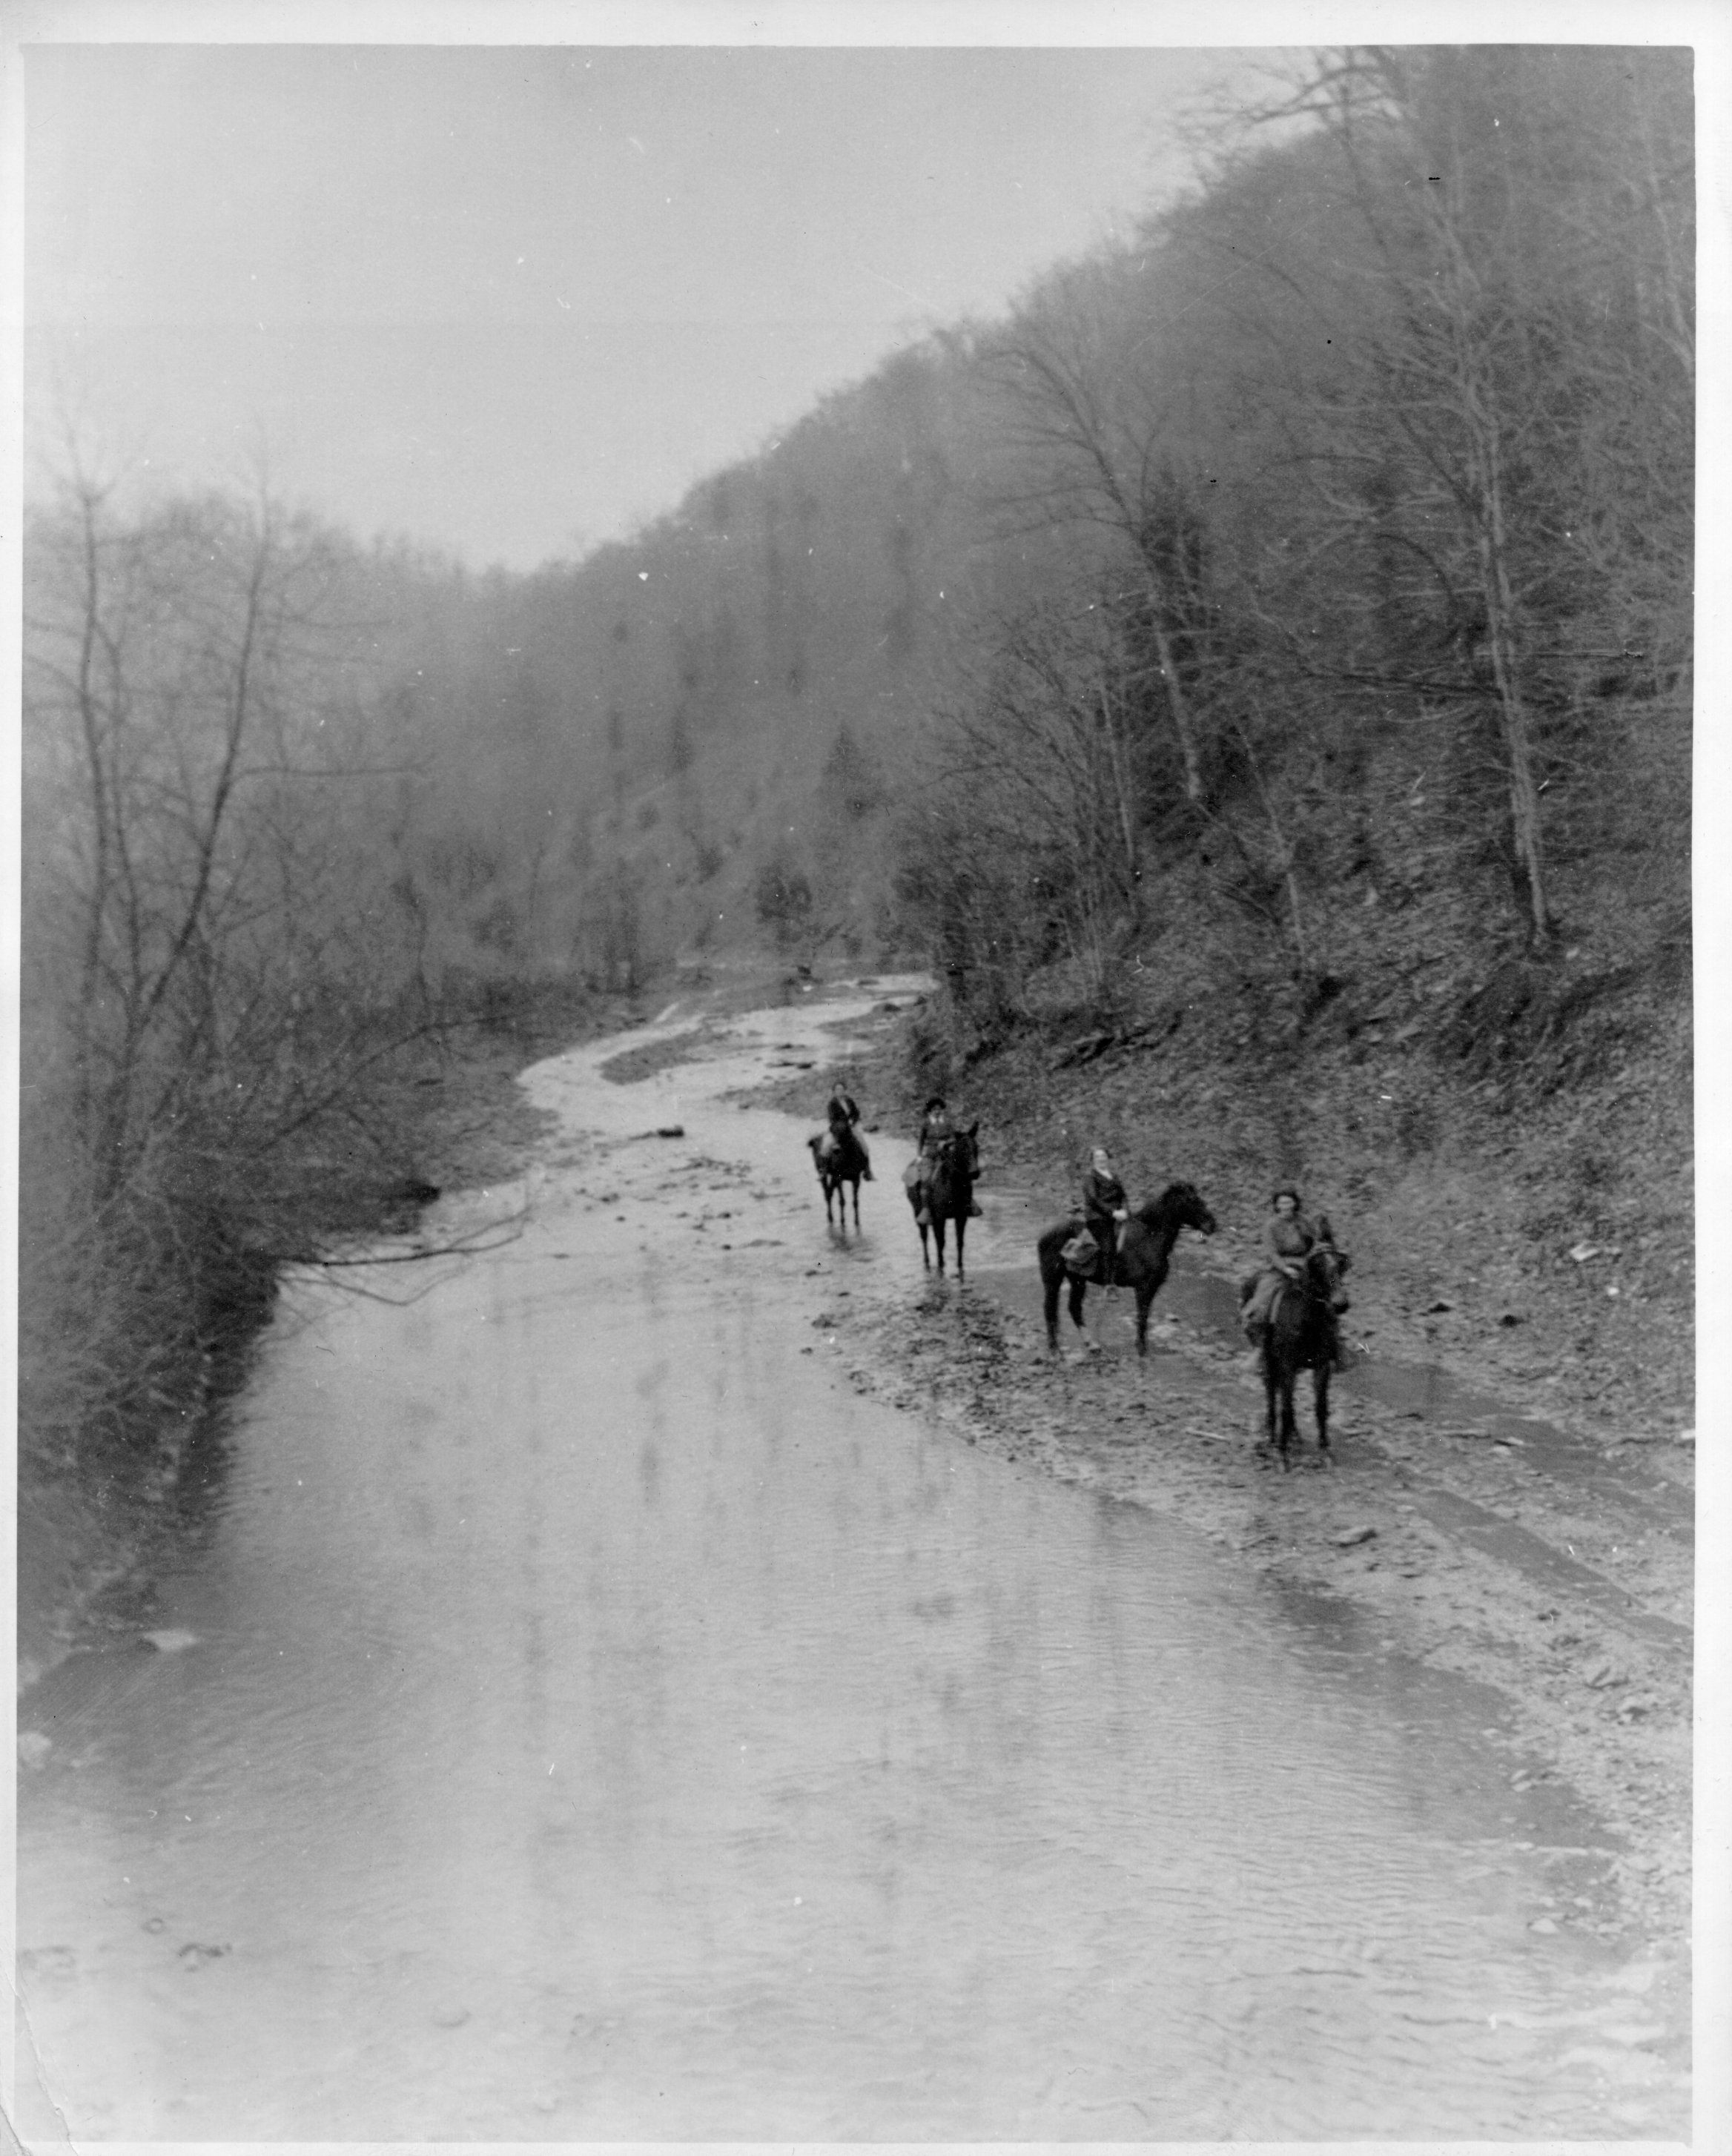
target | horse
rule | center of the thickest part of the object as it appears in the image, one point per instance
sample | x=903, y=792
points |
x=844, y=1164
x=950, y=1193
x=1302, y=1334
x=1145, y=1246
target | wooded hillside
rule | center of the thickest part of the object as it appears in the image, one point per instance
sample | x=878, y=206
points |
x=1277, y=627
x=1338, y=525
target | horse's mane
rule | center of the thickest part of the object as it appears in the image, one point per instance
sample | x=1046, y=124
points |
x=1325, y=1262
x=1151, y=1208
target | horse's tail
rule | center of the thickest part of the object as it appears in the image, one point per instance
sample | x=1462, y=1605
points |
x=1048, y=1249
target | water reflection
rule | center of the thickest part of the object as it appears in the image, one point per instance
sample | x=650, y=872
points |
x=603, y=1724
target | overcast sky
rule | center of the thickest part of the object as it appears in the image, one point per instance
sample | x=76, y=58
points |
x=514, y=302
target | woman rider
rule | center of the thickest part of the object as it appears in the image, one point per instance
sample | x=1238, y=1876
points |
x=842, y=1115
x=1288, y=1241
x=935, y=1126
x=1105, y=1207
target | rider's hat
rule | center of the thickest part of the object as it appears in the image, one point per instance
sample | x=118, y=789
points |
x=1284, y=1190
x=936, y=1102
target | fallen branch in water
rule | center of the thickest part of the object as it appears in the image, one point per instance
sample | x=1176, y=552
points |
x=467, y=1249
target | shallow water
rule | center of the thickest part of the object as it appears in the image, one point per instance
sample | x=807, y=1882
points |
x=597, y=1721
x=1199, y=1296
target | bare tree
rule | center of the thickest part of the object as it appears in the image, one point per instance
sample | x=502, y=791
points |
x=199, y=790
x=1484, y=432
x=1022, y=845
x=1091, y=442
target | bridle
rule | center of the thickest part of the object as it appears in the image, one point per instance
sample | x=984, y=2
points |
x=958, y=1151
x=1325, y=1267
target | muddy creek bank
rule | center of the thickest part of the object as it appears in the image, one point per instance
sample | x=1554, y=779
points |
x=601, y=1706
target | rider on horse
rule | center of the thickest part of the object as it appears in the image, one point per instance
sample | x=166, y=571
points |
x=842, y=1116
x=1105, y=1207
x=1289, y=1240
x=929, y=1139
x=935, y=1131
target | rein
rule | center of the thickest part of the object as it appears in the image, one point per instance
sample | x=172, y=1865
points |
x=1306, y=1283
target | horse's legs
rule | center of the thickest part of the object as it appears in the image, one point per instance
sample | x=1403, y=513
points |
x=962, y=1222
x=1145, y=1297
x=1051, y=1283
x=856, y=1204
x=1320, y=1399
x=1078, y=1289
x=1278, y=1400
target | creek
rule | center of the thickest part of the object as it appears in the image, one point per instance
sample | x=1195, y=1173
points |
x=580, y=1715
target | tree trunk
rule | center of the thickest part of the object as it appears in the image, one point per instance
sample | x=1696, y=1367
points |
x=1176, y=702
x=1124, y=795
x=1478, y=406
x=1284, y=855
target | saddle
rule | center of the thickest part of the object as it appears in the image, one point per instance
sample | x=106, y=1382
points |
x=1081, y=1254
x=840, y=1151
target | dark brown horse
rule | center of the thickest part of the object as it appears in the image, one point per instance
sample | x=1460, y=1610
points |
x=950, y=1193
x=839, y=1170
x=1145, y=1248
x=1304, y=1333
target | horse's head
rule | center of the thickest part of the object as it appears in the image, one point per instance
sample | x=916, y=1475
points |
x=1181, y=1203
x=1326, y=1267
x=960, y=1152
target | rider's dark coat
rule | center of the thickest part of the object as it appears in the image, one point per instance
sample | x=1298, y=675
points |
x=1102, y=1198
x=843, y=1115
